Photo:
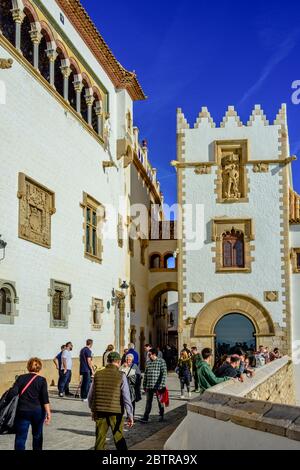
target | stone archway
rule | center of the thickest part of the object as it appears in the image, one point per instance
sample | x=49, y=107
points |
x=210, y=315
x=161, y=289
x=160, y=326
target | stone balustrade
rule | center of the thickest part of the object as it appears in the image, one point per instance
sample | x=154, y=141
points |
x=256, y=414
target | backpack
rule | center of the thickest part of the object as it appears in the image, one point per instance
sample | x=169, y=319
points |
x=8, y=409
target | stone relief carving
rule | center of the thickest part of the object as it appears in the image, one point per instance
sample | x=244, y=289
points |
x=197, y=297
x=203, y=170
x=97, y=312
x=272, y=296
x=231, y=176
x=35, y=210
x=6, y=63
x=261, y=168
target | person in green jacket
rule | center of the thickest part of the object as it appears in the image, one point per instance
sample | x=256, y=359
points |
x=206, y=377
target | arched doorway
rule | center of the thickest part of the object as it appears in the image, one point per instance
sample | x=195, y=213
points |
x=163, y=317
x=205, y=324
x=234, y=332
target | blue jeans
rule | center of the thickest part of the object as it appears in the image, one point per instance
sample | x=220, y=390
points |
x=65, y=379
x=23, y=420
x=85, y=384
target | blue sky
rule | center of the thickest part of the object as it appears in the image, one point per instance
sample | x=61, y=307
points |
x=202, y=53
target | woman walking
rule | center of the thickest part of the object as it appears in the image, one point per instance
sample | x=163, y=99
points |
x=134, y=377
x=184, y=370
x=33, y=406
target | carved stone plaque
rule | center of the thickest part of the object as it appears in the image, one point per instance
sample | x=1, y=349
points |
x=35, y=209
x=272, y=296
x=196, y=297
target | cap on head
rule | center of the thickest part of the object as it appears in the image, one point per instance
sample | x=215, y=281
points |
x=113, y=357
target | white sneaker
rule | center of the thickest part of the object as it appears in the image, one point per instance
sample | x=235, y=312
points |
x=84, y=399
x=190, y=395
x=181, y=396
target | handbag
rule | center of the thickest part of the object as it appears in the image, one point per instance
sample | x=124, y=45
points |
x=8, y=409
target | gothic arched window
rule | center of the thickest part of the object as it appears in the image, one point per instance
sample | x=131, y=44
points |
x=233, y=249
x=154, y=261
x=5, y=301
x=72, y=92
x=44, y=66
x=169, y=261
x=84, y=107
x=7, y=24
x=58, y=75
x=26, y=42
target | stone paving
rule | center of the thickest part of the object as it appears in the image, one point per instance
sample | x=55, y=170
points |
x=72, y=428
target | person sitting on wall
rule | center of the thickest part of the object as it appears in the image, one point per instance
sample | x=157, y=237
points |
x=206, y=377
x=229, y=369
x=275, y=354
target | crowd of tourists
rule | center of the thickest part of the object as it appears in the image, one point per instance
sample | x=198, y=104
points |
x=114, y=389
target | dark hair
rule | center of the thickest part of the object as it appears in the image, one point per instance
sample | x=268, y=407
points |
x=206, y=353
x=147, y=345
x=276, y=350
x=89, y=342
x=68, y=343
x=153, y=351
x=62, y=346
x=234, y=359
x=194, y=348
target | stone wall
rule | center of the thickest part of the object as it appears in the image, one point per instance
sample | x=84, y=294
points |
x=278, y=388
x=11, y=370
x=256, y=414
x=273, y=383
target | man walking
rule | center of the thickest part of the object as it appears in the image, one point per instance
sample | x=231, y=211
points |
x=86, y=369
x=57, y=361
x=154, y=380
x=66, y=371
x=196, y=359
x=108, y=396
x=206, y=376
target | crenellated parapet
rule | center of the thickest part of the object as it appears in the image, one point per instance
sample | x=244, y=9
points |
x=231, y=119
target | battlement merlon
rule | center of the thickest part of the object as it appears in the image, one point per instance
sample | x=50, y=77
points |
x=265, y=142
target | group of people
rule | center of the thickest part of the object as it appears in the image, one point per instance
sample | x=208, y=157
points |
x=115, y=388
x=110, y=391
x=230, y=366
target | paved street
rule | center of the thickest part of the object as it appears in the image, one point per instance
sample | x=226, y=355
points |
x=72, y=428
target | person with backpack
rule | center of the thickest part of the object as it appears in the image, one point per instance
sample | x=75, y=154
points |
x=33, y=407
x=184, y=370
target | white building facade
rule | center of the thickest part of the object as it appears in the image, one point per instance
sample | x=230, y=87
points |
x=68, y=152
x=239, y=178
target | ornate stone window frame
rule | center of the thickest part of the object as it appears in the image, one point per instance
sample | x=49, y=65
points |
x=221, y=225
x=223, y=147
x=295, y=253
x=91, y=203
x=65, y=288
x=97, y=310
x=36, y=205
x=9, y=286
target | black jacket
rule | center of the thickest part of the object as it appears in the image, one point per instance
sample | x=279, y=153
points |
x=226, y=370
